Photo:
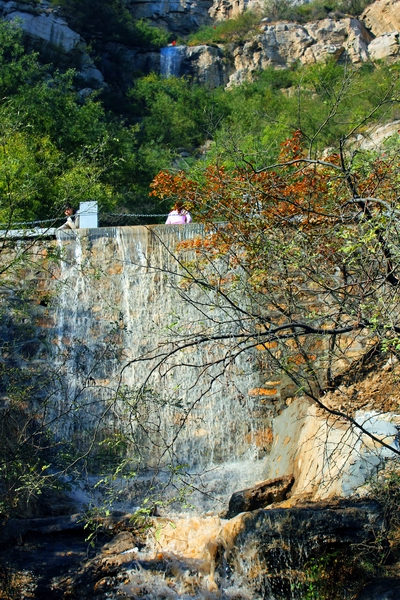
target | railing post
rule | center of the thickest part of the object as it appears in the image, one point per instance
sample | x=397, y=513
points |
x=88, y=215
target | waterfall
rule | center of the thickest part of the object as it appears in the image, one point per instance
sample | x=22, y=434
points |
x=122, y=305
x=117, y=303
x=171, y=60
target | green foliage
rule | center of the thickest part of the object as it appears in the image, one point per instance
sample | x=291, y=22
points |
x=17, y=69
x=24, y=457
x=58, y=146
x=173, y=111
x=312, y=11
x=112, y=21
x=150, y=36
x=321, y=101
x=233, y=30
x=53, y=145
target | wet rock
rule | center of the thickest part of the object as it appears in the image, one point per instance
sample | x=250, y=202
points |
x=265, y=549
x=387, y=588
x=17, y=528
x=259, y=496
x=120, y=543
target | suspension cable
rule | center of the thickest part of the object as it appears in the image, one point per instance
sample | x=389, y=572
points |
x=56, y=219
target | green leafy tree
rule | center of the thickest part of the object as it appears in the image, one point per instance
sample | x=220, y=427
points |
x=301, y=251
x=173, y=111
x=54, y=146
x=111, y=21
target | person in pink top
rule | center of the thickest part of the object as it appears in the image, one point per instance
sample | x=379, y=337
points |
x=178, y=215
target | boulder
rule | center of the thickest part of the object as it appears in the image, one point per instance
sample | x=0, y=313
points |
x=207, y=65
x=386, y=46
x=259, y=496
x=268, y=549
x=382, y=16
x=122, y=542
x=49, y=28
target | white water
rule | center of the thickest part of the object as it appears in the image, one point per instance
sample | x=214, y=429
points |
x=118, y=302
x=171, y=61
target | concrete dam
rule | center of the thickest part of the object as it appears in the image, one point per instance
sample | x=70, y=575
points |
x=116, y=316
x=120, y=306
x=136, y=382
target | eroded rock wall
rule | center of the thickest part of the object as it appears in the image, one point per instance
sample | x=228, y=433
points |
x=375, y=36
x=121, y=306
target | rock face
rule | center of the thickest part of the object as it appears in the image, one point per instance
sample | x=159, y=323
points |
x=222, y=10
x=49, y=28
x=260, y=496
x=51, y=34
x=179, y=16
x=382, y=16
x=278, y=45
x=283, y=44
x=206, y=64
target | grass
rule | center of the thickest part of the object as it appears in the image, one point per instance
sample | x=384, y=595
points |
x=234, y=30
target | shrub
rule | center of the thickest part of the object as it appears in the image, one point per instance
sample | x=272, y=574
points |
x=233, y=30
x=311, y=11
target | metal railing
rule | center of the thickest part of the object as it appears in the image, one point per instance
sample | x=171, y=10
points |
x=105, y=220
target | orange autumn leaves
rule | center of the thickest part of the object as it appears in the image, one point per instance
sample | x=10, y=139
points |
x=240, y=195
x=297, y=215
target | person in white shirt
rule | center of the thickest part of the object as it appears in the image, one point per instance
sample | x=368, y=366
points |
x=72, y=221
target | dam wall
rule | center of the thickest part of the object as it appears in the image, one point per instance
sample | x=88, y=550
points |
x=115, y=318
x=119, y=305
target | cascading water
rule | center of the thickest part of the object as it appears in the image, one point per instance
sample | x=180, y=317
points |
x=118, y=302
x=122, y=305
x=171, y=61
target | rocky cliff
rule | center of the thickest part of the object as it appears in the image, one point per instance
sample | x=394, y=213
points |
x=374, y=36
x=120, y=298
x=121, y=307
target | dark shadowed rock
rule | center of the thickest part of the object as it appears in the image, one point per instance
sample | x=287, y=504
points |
x=120, y=543
x=259, y=496
x=386, y=588
x=268, y=549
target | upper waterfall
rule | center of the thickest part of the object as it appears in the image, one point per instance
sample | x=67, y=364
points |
x=122, y=302
x=171, y=60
